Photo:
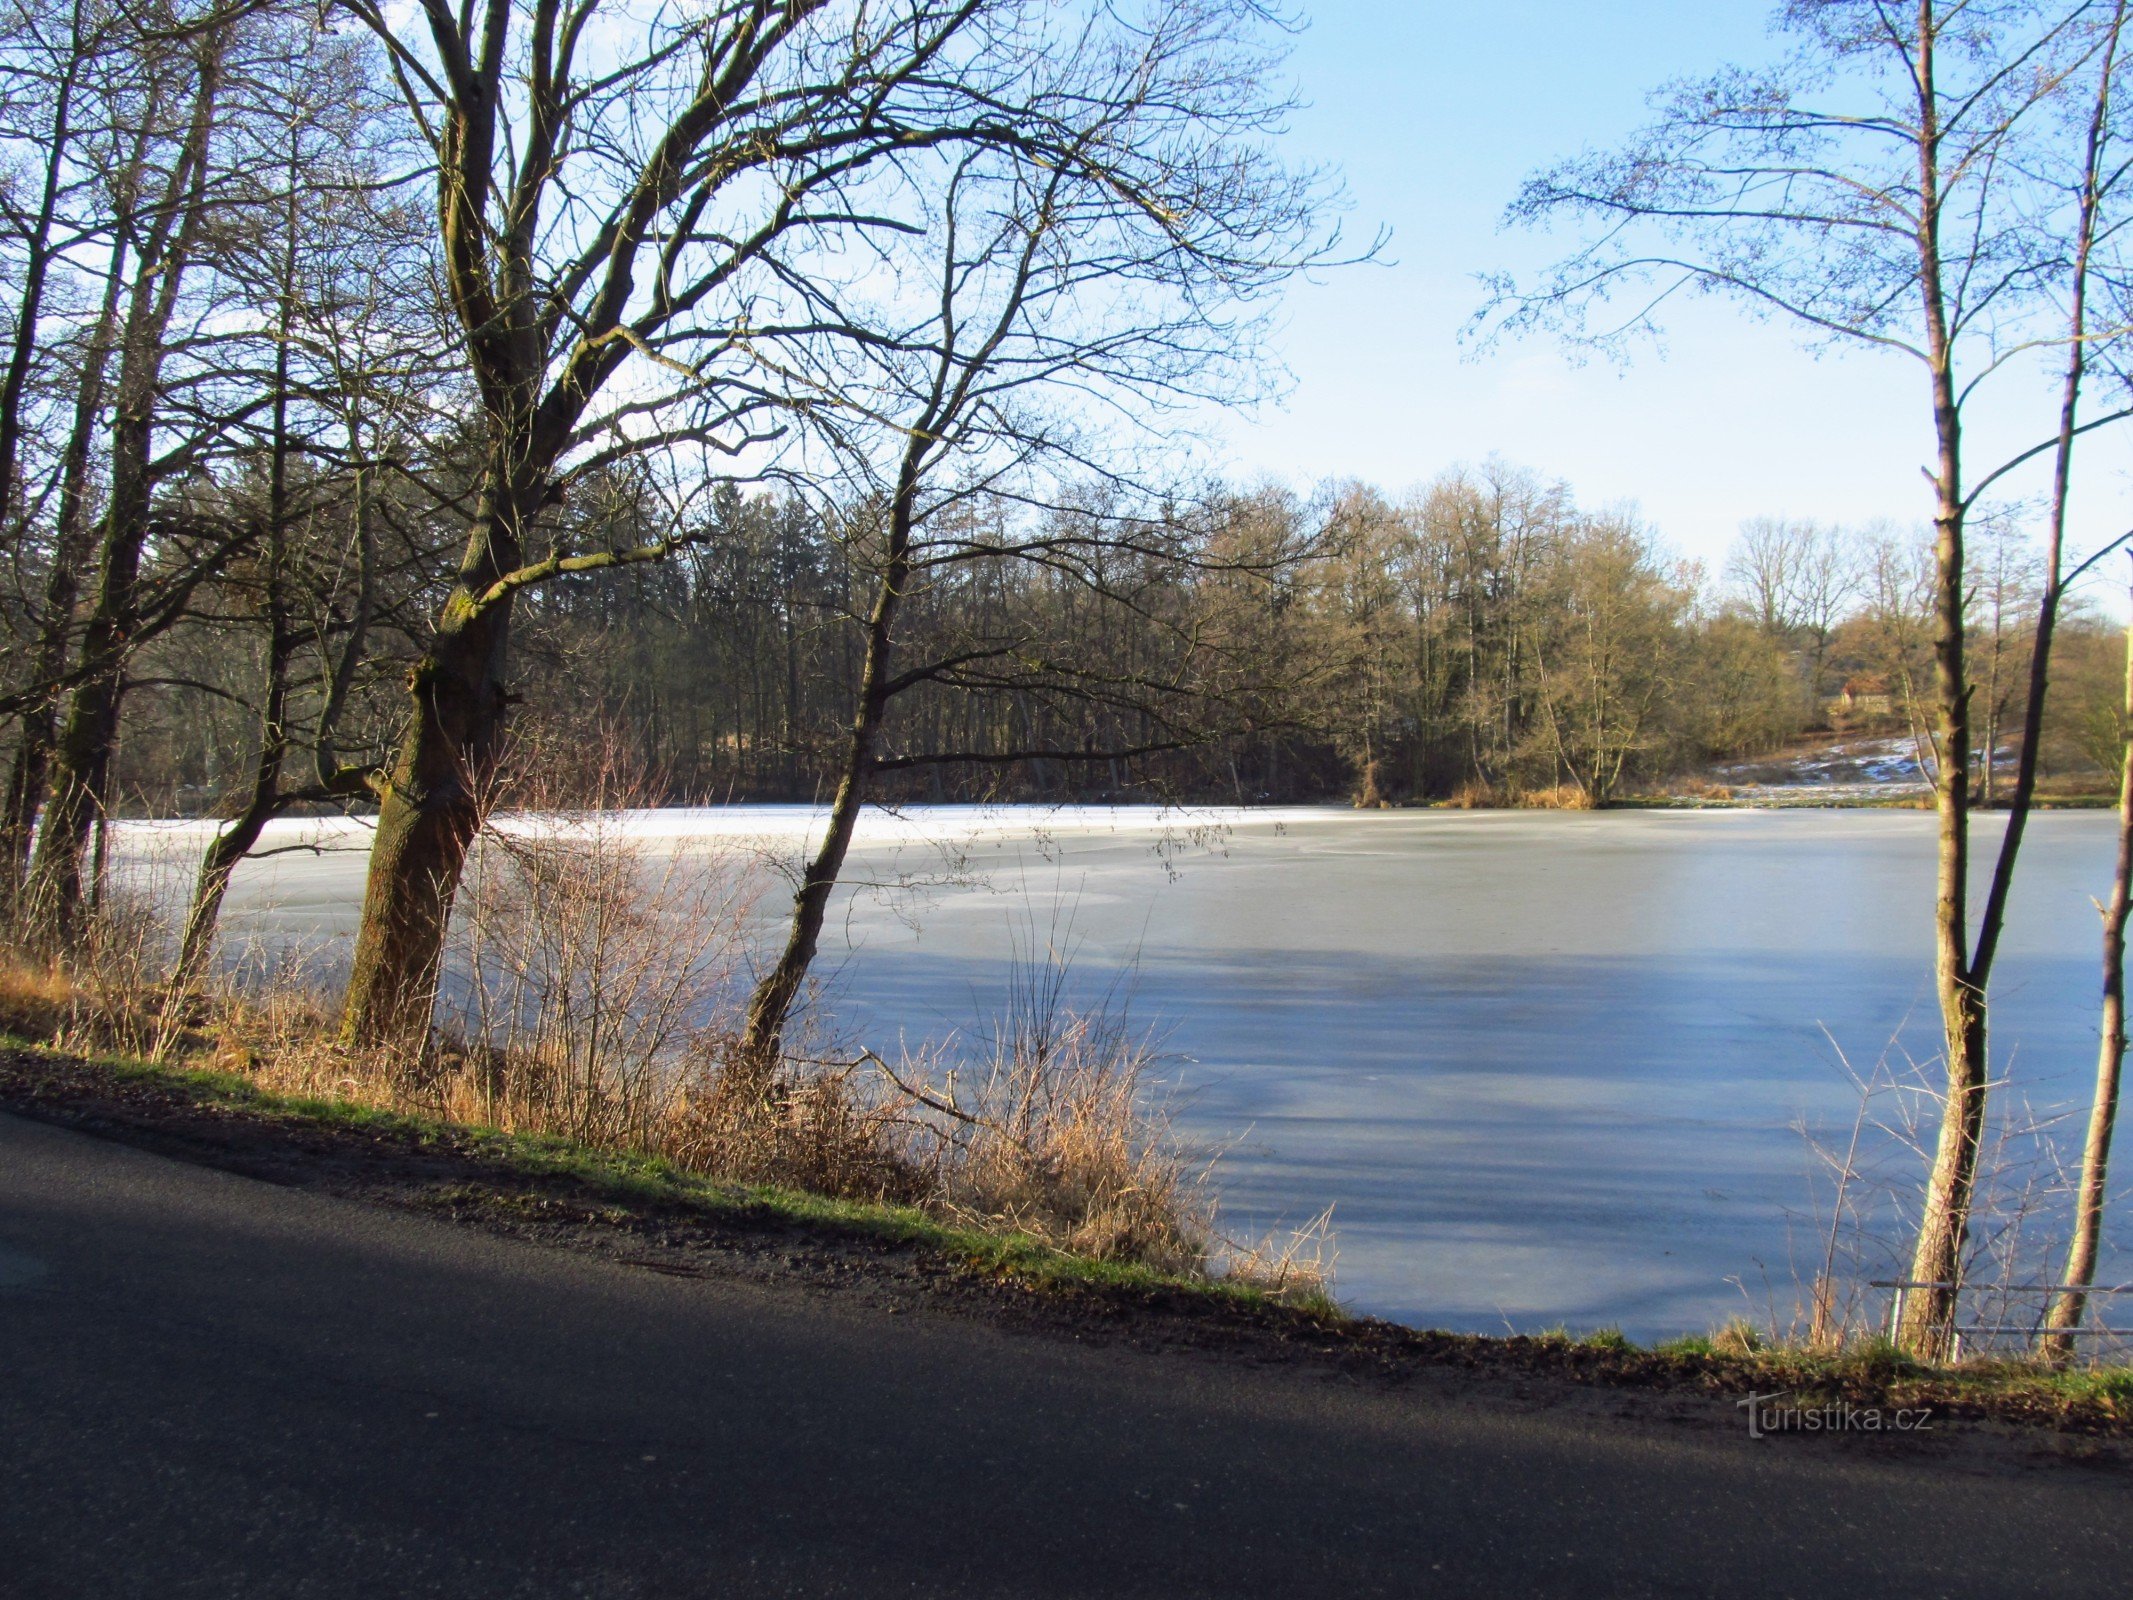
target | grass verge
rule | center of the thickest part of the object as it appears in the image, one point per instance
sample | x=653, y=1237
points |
x=507, y=1170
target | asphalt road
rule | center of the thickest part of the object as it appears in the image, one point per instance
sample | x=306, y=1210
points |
x=211, y=1386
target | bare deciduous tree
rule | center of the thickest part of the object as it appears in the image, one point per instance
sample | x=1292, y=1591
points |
x=2086, y=1239
x=1107, y=261
x=1881, y=187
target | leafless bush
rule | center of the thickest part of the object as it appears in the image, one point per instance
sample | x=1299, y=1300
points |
x=835, y=1127
x=588, y=968
x=105, y=992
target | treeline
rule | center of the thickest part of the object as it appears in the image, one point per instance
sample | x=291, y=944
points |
x=1482, y=641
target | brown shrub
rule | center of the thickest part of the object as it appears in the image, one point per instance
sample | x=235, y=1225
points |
x=1696, y=788
x=1476, y=795
x=1067, y=1141
x=1560, y=797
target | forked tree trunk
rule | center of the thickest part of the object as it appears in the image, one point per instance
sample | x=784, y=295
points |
x=2066, y=1311
x=1963, y=968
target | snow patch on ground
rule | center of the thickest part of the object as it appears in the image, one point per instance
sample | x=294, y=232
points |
x=1845, y=769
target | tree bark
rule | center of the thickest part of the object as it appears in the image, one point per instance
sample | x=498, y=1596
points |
x=1937, y=1259
x=431, y=806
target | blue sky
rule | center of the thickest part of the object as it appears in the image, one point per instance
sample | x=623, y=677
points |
x=1434, y=112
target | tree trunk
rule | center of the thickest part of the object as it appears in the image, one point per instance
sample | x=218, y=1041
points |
x=2066, y=1310
x=56, y=906
x=40, y=724
x=56, y=899
x=1944, y=1222
x=432, y=804
x=770, y=1007
x=235, y=842
x=1963, y=969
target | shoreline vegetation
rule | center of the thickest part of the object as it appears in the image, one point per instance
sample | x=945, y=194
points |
x=327, y=508
x=655, y=1214
x=1837, y=769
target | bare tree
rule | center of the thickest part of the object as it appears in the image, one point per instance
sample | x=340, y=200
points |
x=651, y=193
x=2065, y=1312
x=1768, y=565
x=188, y=67
x=1880, y=187
x=1826, y=584
x=334, y=259
x=1797, y=579
x=1108, y=264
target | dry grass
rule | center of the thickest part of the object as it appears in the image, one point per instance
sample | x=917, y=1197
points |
x=35, y=1001
x=829, y=1127
x=1055, y=1132
x=1697, y=788
x=108, y=995
x=1475, y=795
x=593, y=990
x=1559, y=797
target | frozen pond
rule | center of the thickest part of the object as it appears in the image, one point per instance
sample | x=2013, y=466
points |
x=1545, y=1066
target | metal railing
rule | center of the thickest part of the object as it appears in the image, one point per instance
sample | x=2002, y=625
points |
x=2030, y=1331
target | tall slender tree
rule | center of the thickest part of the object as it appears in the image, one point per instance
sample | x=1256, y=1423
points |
x=1879, y=187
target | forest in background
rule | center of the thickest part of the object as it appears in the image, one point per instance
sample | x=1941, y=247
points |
x=1483, y=640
